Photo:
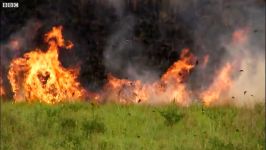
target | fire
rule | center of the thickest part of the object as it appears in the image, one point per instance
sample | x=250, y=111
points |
x=170, y=87
x=177, y=73
x=175, y=77
x=220, y=86
x=125, y=91
x=2, y=90
x=39, y=75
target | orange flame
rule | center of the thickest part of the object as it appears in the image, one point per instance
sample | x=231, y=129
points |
x=2, y=90
x=220, y=86
x=175, y=77
x=170, y=87
x=180, y=69
x=125, y=91
x=40, y=75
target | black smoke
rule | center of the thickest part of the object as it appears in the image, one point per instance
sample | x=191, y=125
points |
x=135, y=39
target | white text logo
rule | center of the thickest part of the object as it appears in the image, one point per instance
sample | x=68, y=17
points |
x=10, y=5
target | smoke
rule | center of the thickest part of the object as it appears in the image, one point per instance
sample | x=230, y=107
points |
x=139, y=40
x=119, y=6
x=123, y=55
x=17, y=44
x=143, y=43
x=249, y=86
x=215, y=23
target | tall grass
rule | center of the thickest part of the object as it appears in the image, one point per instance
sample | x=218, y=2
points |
x=111, y=126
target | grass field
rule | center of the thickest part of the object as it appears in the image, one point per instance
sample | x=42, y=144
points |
x=110, y=126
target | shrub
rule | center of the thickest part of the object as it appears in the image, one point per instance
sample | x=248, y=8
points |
x=171, y=116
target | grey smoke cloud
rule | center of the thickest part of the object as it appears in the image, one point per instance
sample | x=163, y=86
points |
x=123, y=54
x=19, y=42
x=211, y=23
x=119, y=6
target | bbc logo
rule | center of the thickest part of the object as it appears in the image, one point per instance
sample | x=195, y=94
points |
x=10, y=5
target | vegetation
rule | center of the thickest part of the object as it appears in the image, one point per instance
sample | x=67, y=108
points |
x=111, y=126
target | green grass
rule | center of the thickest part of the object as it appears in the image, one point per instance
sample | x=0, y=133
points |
x=111, y=126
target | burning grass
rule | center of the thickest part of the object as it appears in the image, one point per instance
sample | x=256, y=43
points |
x=39, y=75
x=88, y=126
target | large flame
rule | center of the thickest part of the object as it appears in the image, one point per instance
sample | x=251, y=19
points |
x=39, y=75
x=174, y=80
x=217, y=92
x=171, y=86
x=220, y=86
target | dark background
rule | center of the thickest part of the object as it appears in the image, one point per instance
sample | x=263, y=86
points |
x=157, y=34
